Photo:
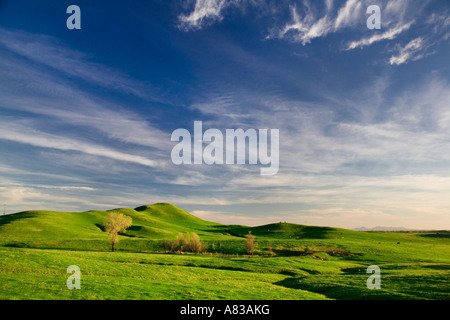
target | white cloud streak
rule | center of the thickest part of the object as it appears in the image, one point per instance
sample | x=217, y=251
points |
x=18, y=133
x=413, y=50
x=51, y=53
x=50, y=96
x=204, y=11
x=304, y=28
x=349, y=14
x=388, y=35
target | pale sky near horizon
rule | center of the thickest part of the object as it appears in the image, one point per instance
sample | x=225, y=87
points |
x=86, y=116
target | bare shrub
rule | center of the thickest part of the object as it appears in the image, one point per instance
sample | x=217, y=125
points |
x=250, y=243
x=189, y=242
x=168, y=246
x=195, y=245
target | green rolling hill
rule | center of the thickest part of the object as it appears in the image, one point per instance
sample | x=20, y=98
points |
x=164, y=221
x=157, y=221
x=291, y=261
x=150, y=222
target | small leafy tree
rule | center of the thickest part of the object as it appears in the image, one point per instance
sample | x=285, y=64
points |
x=250, y=243
x=115, y=223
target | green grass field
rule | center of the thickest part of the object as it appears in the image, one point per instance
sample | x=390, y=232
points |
x=290, y=262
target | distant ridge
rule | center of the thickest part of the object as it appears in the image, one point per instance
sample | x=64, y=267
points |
x=380, y=228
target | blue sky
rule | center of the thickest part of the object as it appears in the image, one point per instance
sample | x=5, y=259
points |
x=86, y=115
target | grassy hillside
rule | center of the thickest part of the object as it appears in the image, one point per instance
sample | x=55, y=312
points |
x=152, y=222
x=291, y=262
x=283, y=230
x=71, y=229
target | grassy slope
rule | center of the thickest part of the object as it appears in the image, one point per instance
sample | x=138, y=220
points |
x=308, y=263
x=153, y=222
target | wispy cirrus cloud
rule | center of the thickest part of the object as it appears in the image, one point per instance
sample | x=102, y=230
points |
x=25, y=197
x=422, y=46
x=14, y=131
x=53, y=97
x=348, y=14
x=394, y=17
x=303, y=28
x=8, y=184
x=314, y=24
x=50, y=52
x=205, y=11
x=388, y=35
x=413, y=50
x=311, y=20
x=397, y=18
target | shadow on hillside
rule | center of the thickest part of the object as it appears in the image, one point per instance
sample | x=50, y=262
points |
x=125, y=234
x=7, y=219
x=230, y=230
x=316, y=232
x=100, y=226
x=285, y=230
x=133, y=229
x=291, y=253
x=436, y=234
